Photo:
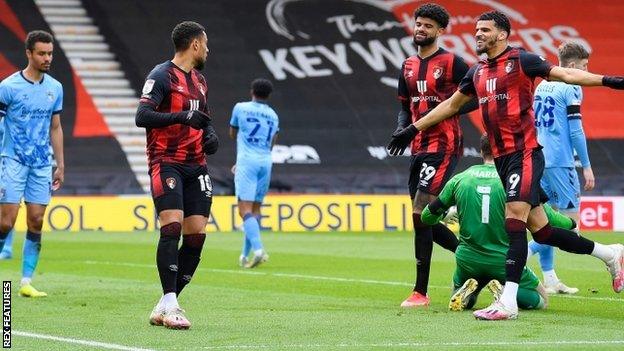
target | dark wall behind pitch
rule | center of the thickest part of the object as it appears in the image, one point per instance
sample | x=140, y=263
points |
x=339, y=115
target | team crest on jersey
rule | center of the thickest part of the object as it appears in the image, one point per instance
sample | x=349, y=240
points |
x=201, y=90
x=437, y=72
x=148, y=86
x=410, y=74
x=509, y=66
x=50, y=96
x=480, y=71
x=171, y=182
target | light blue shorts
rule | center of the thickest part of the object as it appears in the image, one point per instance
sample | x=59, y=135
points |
x=251, y=181
x=562, y=186
x=19, y=181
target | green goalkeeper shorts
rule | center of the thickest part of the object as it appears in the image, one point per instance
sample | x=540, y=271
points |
x=528, y=297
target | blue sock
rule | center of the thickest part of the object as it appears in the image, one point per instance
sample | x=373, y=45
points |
x=32, y=248
x=8, y=244
x=252, y=231
x=4, y=238
x=546, y=255
x=547, y=258
x=534, y=247
x=246, y=247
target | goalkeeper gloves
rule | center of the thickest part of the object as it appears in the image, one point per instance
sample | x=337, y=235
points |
x=400, y=140
x=451, y=216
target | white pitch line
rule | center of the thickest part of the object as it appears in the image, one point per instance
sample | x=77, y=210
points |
x=335, y=279
x=421, y=344
x=91, y=343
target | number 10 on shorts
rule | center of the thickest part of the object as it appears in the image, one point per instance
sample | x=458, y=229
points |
x=204, y=182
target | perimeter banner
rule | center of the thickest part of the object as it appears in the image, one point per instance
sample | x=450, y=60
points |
x=290, y=213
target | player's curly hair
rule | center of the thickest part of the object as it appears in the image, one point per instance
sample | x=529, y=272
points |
x=485, y=147
x=500, y=20
x=434, y=12
x=572, y=51
x=37, y=36
x=261, y=88
x=184, y=33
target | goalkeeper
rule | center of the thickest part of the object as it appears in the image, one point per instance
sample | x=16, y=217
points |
x=483, y=243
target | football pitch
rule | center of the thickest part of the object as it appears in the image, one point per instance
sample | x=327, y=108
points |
x=319, y=291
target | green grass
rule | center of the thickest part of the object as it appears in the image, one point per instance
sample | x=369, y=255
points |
x=103, y=286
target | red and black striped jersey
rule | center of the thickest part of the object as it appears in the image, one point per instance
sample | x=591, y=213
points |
x=170, y=89
x=504, y=87
x=426, y=82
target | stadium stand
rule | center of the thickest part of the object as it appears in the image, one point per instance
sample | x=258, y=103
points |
x=334, y=65
x=96, y=164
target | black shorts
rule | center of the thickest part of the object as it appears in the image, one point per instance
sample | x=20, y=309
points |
x=181, y=187
x=429, y=172
x=521, y=173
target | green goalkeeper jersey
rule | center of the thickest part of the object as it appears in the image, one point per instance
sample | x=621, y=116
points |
x=479, y=196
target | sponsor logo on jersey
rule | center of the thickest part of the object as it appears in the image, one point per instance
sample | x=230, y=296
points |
x=421, y=85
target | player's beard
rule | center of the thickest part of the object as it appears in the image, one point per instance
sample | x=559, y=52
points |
x=43, y=68
x=487, y=45
x=199, y=64
x=425, y=42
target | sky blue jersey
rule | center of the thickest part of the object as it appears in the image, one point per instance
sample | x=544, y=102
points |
x=1, y=132
x=257, y=124
x=26, y=109
x=557, y=108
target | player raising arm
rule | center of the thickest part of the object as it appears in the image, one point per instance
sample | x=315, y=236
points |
x=503, y=84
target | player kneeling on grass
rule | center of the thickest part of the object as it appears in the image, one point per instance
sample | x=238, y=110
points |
x=483, y=243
